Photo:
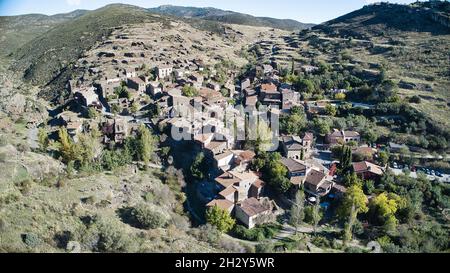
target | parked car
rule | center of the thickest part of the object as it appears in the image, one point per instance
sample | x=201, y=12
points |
x=433, y=173
x=395, y=165
x=439, y=174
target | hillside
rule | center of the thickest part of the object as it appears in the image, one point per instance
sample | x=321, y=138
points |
x=388, y=19
x=18, y=30
x=406, y=44
x=47, y=58
x=229, y=17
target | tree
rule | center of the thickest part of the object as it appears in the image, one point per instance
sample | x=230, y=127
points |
x=297, y=210
x=43, y=139
x=111, y=236
x=346, y=159
x=189, y=91
x=384, y=207
x=197, y=167
x=350, y=179
x=304, y=85
x=383, y=158
x=92, y=113
x=330, y=110
x=353, y=203
x=67, y=147
x=154, y=111
x=370, y=136
x=148, y=218
x=340, y=96
x=316, y=214
x=220, y=218
x=294, y=123
x=276, y=173
x=134, y=107
x=89, y=147
x=145, y=144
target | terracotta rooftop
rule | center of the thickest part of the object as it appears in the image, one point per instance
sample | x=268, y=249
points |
x=269, y=88
x=227, y=179
x=314, y=177
x=365, y=166
x=228, y=191
x=258, y=184
x=222, y=156
x=252, y=207
x=293, y=165
x=214, y=144
x=202, y=138
x=221, y=203
x=292, y=143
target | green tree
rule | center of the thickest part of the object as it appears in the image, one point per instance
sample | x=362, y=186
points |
x=330, y=110
x=346, y=159
x=197, y=167
x=294, y=123
x=220, y=218
x=43, y=139
x=67, y=147
x=134, y=107
x=148, y=218
x=316, y=215
x=297, y=210
x=89, y=147
x=384, y=207
x=92, y=113
x=189, y=91
x=353, y=203
x=350, y=179
x=146, y=144
x=305, y=85
x=383, y=158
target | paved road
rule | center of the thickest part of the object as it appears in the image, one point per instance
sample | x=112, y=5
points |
x=445, y=178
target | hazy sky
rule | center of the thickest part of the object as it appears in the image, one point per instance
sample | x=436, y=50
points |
x=308, y=11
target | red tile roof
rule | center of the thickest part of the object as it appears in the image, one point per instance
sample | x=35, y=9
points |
x=252, y=207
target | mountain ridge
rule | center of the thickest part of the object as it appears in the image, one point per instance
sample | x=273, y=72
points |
x=230, y=17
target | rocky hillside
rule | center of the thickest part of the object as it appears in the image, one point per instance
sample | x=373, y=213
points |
x=386, y=19
x=48, y=58
x=229, y=17
x=410, y=43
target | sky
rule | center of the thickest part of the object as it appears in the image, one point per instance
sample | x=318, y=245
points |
x=306, y=11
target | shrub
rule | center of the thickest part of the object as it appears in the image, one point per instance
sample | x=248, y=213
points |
x=265, y=248
x=148, y=218
x=31, y=239
x=111, y=238
x=255, y=234
x=207, y=233
x=415, y=99
x=321, y=241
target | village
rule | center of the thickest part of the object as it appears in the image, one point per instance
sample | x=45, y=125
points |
x=196, y=103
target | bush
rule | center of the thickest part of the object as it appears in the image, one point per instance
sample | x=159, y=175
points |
x=265, y=248
x=111, y=238
x=259, y=233
x=321, y=242
x=148, y=218
x=415, y=99
x=243, y=233
x=207, y=233
x=31, y=239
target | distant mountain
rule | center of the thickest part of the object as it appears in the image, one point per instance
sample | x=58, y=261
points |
x=386, y=19
x=229, y=17
x=16, y=31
